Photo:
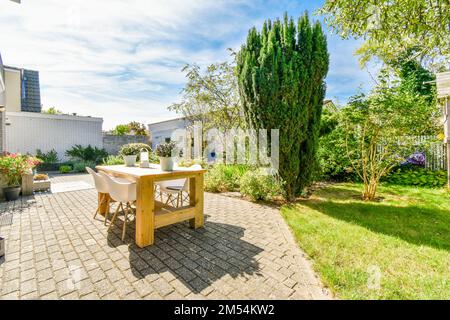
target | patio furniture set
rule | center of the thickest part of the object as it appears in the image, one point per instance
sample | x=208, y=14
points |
x=134, y=191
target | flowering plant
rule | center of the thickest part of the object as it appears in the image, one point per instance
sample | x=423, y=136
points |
x=13, y=166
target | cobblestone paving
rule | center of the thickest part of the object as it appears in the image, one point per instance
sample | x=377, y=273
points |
x=56, y=250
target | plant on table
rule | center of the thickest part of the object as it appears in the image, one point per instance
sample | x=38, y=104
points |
x=131, y=151
x=166, y=152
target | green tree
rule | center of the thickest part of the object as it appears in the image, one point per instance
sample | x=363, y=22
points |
x=121, y=129
x=389, y=27
x=137, y=128
x=281, y=74
x=211, y=97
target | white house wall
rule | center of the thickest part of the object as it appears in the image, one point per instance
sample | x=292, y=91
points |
x=27, y=131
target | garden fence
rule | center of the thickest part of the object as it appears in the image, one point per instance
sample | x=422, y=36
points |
x=435, y=152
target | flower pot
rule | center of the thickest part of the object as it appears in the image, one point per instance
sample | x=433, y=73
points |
x=11, y=193
x=130, y=161
x=166, y=163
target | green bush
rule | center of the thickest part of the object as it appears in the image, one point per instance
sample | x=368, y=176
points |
x=258, y=185
x=81, y=166
x=222, y=178
x=88, y=153
x=65, y=169
x=135, y=149
x=417, y=177
x=190, y=162
x=113, y=160
x=47, y=157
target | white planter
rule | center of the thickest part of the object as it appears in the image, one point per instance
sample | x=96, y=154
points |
x=130, y=161
x=41, y=185
x=166, y=163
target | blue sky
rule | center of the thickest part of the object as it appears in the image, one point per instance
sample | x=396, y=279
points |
x=122, y=60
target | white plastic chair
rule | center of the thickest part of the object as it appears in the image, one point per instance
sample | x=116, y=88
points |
x=175, y=188
x=102, y=188
x=124, y=193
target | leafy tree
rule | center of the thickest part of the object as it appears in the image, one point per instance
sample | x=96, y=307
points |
x=138, y=129
x=281, y=80
x=380, y=129
x=391, y=26
x=121, y=130
x=211, y=97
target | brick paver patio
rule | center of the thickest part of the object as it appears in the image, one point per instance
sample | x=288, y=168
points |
x=56, y=250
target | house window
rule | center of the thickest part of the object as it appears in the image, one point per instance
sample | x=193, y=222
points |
x=167, y=140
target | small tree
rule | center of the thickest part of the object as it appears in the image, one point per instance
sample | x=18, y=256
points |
x=121, y=130
x=211, y=97
x=377, y=139
x=281, y=82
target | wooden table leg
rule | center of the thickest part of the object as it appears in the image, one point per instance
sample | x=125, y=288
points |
x=145, y=212
x=103, y=203
x=196, y=199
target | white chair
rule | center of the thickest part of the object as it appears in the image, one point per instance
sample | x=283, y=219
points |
x=124, y=193
x=102, y=188
x=175, y=188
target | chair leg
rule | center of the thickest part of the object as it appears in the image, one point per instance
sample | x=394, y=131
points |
x=125, y=213
x=115, y=215
x=108, y=201
x=178, y=200
x=168, y=198
x=99, y=205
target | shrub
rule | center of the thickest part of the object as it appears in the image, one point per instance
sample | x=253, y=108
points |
x=191, y=162
x=132, y=149
x=416, y=176
x=258, y=185
x=88, y=153
x=65, y=169
x=40, y=177
x=81, y=166
x=47, y=157
x=222, y=178
x=113, y=160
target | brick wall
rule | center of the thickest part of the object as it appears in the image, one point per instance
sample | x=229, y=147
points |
x=112, y=143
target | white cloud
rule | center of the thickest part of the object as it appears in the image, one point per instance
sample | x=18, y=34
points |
x=122, y=60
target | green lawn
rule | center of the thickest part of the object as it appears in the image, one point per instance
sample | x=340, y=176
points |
x=406, y=236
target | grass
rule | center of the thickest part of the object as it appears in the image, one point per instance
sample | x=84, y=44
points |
x=401, y=242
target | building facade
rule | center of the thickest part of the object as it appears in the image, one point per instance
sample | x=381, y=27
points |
x=22, y=90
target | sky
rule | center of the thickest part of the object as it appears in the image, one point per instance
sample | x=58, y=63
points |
x=122, y=60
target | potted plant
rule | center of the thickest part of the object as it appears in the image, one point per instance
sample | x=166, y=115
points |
x=165, y=152
x=130, y=152
x=13, y=166
x=129, y=156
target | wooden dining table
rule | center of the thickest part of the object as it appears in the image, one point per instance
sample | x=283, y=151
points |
x=150, y=213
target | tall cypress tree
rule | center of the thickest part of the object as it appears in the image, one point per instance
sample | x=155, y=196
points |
x=281, y=72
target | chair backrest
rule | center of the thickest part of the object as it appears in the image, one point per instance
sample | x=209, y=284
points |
x=99, y=181
x=186, y=183
x=120, y=191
